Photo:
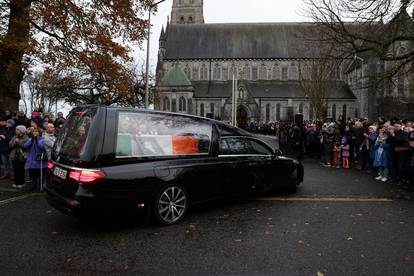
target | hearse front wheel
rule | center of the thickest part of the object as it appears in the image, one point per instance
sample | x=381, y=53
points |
x=171, y=204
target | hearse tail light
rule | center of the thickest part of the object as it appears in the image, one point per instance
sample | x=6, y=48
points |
x=85, y=176
x=50, y=165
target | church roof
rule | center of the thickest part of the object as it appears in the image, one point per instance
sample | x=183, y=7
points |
x=239, y=40
x=175, y=77
x=339, y=90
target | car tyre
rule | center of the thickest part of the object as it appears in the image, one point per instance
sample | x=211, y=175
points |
x=171, y=204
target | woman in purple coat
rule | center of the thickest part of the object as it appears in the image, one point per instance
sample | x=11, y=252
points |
x=36, y=162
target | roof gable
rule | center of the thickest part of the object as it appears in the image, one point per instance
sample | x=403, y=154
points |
x=175, y=77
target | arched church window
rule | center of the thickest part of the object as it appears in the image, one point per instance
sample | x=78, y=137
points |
x=242, y=93
x=182, y=20
x=276, y=72
x=301, y=108
x=187, y=71
x=334, y=111
x=225, y=73
x=202, y=110
x=232, y=72
x=190, y=106
x=217, y=72
x=212, y=109
x=278, y=109
x=267, y=112
x=263, y=72
x=203, y=72
x=284, y=73
x=305, y=72
x=190, y=19
x=254, y=73
x=195, y=73
x=167, y=105
x=247, y=72
x=293, y=73
x=182, y=104
x=344, y=111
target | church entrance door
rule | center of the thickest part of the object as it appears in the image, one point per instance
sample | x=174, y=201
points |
x=242, y=116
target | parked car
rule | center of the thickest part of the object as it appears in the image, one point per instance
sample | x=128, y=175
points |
x=120, y=159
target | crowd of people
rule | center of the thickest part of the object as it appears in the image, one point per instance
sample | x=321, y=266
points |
x=383, y=148
x=26, y=144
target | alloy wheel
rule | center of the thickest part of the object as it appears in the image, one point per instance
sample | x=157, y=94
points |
x=172, y=204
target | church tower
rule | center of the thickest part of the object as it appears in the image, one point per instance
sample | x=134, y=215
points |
x=187, y=12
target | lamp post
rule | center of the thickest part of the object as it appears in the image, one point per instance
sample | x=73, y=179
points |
x=148, y=52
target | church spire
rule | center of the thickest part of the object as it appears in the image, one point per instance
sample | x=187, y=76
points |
x=187, y=12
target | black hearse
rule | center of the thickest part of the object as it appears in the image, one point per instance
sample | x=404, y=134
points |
x=121, y=159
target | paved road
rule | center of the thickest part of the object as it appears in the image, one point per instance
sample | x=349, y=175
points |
x=342, y=222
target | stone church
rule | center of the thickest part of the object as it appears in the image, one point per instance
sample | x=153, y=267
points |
x=197, y=63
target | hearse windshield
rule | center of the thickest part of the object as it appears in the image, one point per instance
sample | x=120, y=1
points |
x=150, y=135
x=72, y=138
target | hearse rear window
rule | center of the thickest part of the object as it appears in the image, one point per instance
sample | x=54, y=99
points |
x=146, y=135
x=72, y=138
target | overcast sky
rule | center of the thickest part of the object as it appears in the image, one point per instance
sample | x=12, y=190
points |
x=226, y=11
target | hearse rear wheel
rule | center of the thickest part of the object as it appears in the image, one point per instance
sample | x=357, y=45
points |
x=171, y=204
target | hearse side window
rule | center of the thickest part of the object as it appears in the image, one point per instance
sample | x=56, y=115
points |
x=255, y=147
x=151, y=135
x=242, y=146
x=232, y=146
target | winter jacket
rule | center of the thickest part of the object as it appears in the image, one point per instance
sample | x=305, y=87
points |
x=49, y=141
x=399, y=140
x=17, y=153
x=8, y=135
x=382, y=152
x=358, y=133
x=371, y=139
x=35, y=148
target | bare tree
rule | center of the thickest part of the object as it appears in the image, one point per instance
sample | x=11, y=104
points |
x=379, y=28
x=41, y=91
x=316, y=80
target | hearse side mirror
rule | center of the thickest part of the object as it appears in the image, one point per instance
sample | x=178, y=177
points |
x=278, y=152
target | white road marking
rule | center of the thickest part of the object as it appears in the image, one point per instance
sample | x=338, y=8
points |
x=326, y=198
x=17, y=198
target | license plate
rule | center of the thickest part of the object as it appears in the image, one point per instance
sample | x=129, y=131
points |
x=61, y=173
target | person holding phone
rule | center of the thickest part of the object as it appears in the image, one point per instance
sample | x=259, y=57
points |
x=36, y=162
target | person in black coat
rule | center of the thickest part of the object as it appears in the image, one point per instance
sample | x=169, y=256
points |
x=7, y=131
x=398, y=146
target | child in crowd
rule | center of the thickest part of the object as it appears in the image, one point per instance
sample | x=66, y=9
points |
x=381, y=155
x=345, y=152
x=336, y=154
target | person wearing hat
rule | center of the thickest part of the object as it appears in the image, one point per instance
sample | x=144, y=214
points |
x=21, y=119
x=6, y=133
x=18, y=155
